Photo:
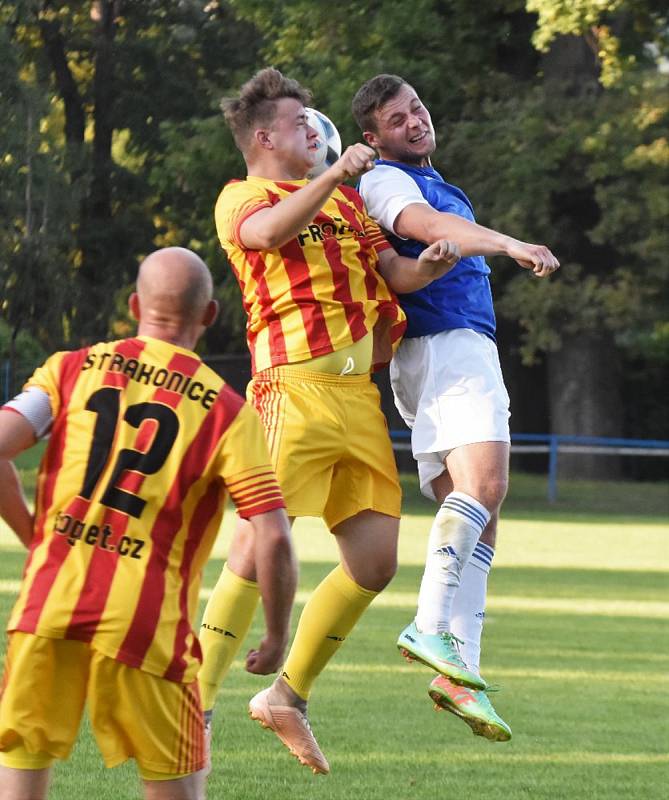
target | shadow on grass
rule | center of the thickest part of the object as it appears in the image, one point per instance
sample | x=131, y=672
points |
x=588, y=722
x=525, y=581
x=540, y=582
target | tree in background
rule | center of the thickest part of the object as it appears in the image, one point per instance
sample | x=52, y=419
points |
x=605, y=160
x=90, y=87
x=556, y=125
x=552, y=115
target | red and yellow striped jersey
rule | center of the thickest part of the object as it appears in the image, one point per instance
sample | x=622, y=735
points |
x=145, y=443
x=319, y=292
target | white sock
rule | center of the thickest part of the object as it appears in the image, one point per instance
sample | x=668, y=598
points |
x=468, y=610
x=455, y=531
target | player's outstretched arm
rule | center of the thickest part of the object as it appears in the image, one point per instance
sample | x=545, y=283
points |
x=276, y=572
x=425, y=224
x=405, y=275
x=16, y=435
x=272, y=227
x=535, y=257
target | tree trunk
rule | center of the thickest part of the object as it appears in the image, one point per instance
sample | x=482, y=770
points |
x=572, y=61
x=95, y=233
x=92, y=178
x=75, y=115
x=585, y=399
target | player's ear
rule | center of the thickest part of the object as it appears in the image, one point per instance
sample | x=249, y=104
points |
x=133, y=305
x=370, y=138
x=262, y=137
x=210, y=314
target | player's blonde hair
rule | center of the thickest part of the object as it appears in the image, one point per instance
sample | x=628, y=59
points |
x=255, y=105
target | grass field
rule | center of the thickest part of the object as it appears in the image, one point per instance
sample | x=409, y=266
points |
x=576, y=635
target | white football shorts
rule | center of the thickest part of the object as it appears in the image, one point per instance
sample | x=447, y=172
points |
x=449, y=389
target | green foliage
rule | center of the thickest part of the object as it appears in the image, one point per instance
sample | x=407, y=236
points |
x=132, y=152
x=27, y=349
x=588, y=176
x=332, y=49
x=35, y=206
x=87, y=135
x=621, y=33
x=198, y=158
x=19, y=356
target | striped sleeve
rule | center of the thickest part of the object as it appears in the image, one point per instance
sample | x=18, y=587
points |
x=47, y=377
x=247, y=470
x=376, y=238
x=371, y=228
x=235, y=204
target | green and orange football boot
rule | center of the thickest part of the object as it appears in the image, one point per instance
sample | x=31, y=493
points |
x=440, y=652
x=472, y=706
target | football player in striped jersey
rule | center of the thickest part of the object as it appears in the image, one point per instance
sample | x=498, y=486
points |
x=318, y=281
x=145, y=442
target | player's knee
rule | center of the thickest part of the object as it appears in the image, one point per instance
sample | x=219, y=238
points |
x=390, y=572
x=498, y=489
x=373, y=574
x=188, y=787
x=382, y=573
x=491, y=493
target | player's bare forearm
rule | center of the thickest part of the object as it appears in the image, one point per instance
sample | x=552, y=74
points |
x=406, y=275
x=273, y=227
x=276, y=571
x=425, y=224
x=13, y=507
x=16, y=435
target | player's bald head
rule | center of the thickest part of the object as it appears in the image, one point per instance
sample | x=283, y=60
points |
x=174, y=282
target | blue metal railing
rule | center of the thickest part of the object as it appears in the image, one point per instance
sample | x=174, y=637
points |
x=554, y=443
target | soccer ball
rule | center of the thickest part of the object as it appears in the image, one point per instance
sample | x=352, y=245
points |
x=329, y=142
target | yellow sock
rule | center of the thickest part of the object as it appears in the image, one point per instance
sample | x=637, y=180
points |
x=328, y=617
x=225, y=623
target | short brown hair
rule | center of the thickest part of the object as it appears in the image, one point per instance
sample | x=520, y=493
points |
x=256, y=104
x=373, y=94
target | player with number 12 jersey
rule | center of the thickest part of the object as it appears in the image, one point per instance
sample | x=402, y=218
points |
x=154, y=440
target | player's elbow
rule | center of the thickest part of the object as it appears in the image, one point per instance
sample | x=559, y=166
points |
x=278, y=542
x=279, y=549
x=263, y=240
x=272, y=531
x=402, y=275
x=435, y=227
x=408, y=280
x=263, y=234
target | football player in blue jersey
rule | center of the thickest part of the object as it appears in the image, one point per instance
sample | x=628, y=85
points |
x=448, y=386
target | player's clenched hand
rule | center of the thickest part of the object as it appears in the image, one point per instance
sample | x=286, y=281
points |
x=439, y=258
x=536, y=257
x=353, y=161
x=267, y=658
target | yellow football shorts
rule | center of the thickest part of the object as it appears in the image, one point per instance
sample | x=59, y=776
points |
x=329, y=443
x=133, y=714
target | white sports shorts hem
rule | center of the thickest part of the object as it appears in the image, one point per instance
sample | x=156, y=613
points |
x=449, y=389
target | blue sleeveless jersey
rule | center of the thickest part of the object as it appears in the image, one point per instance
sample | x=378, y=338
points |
x=460, y=299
